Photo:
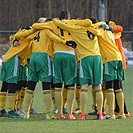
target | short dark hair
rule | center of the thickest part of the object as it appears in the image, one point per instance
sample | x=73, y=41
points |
x=107, y=22
x=94, y=20
x=65, y=14
x=48, y=19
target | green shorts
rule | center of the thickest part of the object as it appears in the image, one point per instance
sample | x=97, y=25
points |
x=91, y=70
x=113, y=70
x=10, y=70
x=23, y=73
x=39, y=67
x=64, y=68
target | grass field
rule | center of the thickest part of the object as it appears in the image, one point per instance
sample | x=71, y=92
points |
x=37, y=123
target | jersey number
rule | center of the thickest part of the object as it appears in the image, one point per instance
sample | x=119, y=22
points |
x=61, y=32
x=37, y=38
x=90, y=35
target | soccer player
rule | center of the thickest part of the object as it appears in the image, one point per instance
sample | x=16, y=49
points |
x=39, y=70
x=22, y=79
x=64, y=67
x=117, y=29
x=113, y=73
x=94, y=106
x=15, y=56
x=42, y=48
x=88, y=53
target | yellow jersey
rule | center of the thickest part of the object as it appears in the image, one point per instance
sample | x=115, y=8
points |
x=21, y=50
x=57, y=45
x=108, y=48
x=85, y=37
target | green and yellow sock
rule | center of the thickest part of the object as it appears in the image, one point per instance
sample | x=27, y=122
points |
x=64, y=94
x=83, y=99
x=78, y=90
x=120, y=100
x=11, y=101
x=22, y=94
x=28, y=101
x=110, y=99
x=2, y=100
x=99, y=99
x=70, y=98
x=59, y=99
x=47, y=101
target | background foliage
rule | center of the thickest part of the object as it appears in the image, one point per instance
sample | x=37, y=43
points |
x=18, y=13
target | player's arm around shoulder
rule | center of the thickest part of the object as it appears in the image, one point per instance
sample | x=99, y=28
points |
x=42, y=25
x=54, y=37
x=23, y=33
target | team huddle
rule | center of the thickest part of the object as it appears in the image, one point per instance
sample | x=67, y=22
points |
x=67, y=56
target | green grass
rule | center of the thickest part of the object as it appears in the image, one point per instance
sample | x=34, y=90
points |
x=37, y=123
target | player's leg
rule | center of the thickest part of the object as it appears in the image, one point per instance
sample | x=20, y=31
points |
x=70, y=101
x=23, y=87
x=59, y=100
x=94, y=106
x=64, y=94
x=118, y=89
x=19, y=86
x=119, y=98
x=28, y=99
x=3, y=97
x=83, y=101
x=17, y=96
x=47, y=100
x=12, y=87
x=87, y=70
x=32, y=80
x=78, y=109
x=99, y=101
x=3, y=91
x=11, y=78
x=70, y=75
x=78, y=90
x=116, y=111
x=104, y=98
x=109, y=76
x=97, y=81
x=45, y=75
x=58, y=80
x=52, y=90
x=22, y=95
x=110, y=99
